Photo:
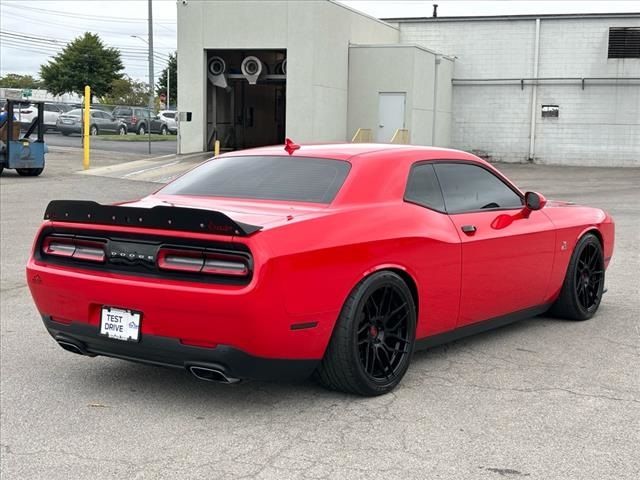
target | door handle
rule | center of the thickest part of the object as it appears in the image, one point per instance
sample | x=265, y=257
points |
x=469, y=229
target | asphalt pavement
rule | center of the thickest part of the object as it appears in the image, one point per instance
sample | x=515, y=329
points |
x=162, y=147
x=540, y=399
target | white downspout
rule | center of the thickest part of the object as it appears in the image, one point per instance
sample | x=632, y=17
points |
x=435, y=101
x=534, y=93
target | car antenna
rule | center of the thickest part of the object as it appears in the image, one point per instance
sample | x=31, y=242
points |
x=290, y=146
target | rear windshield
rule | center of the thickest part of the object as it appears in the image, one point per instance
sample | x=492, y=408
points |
x=265, y=178
x=169, y=114
x=122, y=111
x=74, y=113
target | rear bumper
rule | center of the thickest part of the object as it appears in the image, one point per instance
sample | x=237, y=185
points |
x=169, y=352
x=250, y=318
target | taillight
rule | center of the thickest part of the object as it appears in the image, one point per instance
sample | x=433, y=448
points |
x=197, y=261
x=224, y=264
x=71, y=247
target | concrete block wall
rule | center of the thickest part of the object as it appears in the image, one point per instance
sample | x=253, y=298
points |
x=599, y=125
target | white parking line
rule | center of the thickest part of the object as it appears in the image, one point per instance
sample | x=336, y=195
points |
x=151, y=168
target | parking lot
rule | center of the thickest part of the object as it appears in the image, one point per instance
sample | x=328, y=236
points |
x=134, y=144
x=543, y=399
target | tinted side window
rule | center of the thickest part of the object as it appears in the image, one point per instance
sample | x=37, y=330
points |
x=423, y=187
x=469, y=187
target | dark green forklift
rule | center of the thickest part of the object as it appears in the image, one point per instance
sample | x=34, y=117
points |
x=22, y=153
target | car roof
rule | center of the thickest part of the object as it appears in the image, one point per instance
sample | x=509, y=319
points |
x=385, y=165
x=355, y=152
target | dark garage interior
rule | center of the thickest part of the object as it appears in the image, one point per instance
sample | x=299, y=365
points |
x=246, y=98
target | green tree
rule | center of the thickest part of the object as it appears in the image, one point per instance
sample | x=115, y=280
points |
x=126, y=91
x=13, y=80
x=172, y=66
x=84, y=61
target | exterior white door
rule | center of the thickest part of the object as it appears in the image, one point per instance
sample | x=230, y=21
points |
x=390, y=115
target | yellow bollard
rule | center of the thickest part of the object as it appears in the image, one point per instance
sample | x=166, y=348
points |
x=216, y=148
x=85, y=126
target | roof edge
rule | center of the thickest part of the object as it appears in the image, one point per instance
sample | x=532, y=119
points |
x=401, y=45
x=549, y=16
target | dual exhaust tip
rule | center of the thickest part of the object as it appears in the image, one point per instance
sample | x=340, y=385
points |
x=208, y=374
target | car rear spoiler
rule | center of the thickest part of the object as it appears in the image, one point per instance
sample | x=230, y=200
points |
x=165, y=217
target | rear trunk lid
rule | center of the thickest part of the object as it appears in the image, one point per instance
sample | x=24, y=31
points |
x=265, y=214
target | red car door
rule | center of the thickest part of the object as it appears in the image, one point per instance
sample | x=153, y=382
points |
x=507, y=257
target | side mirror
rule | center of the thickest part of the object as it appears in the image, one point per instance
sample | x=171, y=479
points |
x=534, y=201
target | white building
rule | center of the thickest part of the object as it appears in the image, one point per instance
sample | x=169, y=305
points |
x=469, y=83
x=560, y=64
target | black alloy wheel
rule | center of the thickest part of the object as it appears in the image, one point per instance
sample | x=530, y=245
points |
x=589, y=275
x=383, y=333
x=583, y=285
x=373, y=339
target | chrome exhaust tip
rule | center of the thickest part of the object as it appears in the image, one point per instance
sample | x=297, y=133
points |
x=72, y=347
x=211, y=375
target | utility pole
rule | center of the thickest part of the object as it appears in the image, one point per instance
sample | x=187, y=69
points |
x=151, y=80
x=168, y=84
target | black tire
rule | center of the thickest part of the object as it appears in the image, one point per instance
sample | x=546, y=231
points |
x=164, y=130
x=142, y=129
x=353, y=361
x=29, y=172
x=1, y=169
x=122, y=130
x=93, y=130
x=583, y=283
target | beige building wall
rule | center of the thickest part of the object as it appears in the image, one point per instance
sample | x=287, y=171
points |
x=316, y=35
x=409, y=69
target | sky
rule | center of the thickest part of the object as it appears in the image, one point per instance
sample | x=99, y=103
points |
x=32, y=31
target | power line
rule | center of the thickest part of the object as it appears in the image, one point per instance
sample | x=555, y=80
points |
x=96, y=18
x=58, y=41
x=103, y=31
x=57, y=45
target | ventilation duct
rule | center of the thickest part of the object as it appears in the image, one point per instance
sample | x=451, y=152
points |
x=281, y=67
x=252, y=68
x=216, y=71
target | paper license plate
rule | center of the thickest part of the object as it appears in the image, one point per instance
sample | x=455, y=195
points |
x=120, y=324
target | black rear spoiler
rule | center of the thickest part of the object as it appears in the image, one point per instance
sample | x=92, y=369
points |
x=165, y=217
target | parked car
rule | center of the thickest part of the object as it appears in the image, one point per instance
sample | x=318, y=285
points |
x=27, y=113
x=139, y=120
x=274, y=262
x=101, y=122
x=168, y=117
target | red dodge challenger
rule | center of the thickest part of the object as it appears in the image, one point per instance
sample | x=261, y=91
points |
x=337, y=260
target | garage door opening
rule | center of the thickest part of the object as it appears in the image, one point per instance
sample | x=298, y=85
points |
x=246, y=98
